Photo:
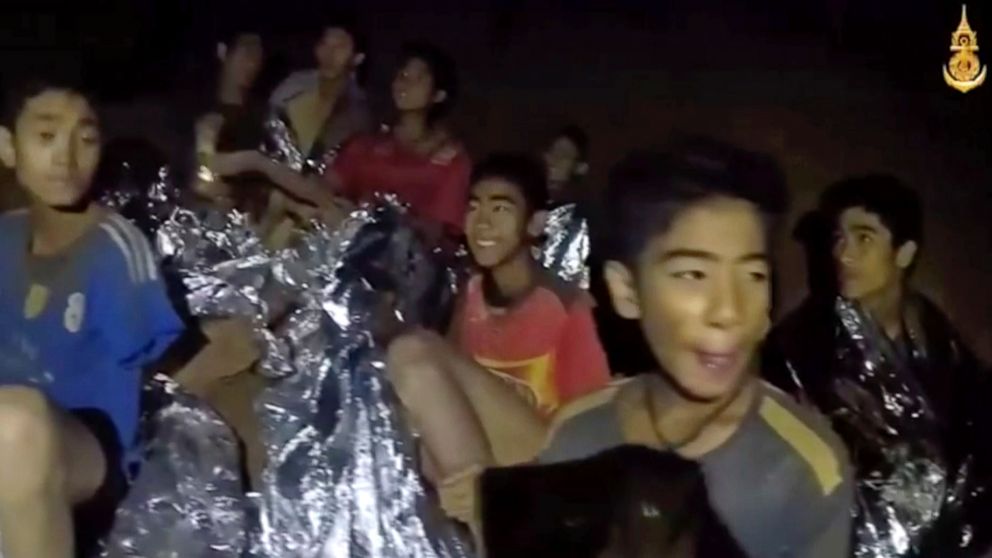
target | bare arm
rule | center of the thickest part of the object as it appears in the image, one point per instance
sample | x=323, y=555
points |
x=312, y=189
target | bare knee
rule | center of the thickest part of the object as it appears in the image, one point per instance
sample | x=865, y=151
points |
x=416, y=347
x=415, y=367
x=29, y=445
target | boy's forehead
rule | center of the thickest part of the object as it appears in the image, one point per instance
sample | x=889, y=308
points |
x=564, y=144
x=861, y=217
x=719, y=225
x=495, y=187
x=58, y=105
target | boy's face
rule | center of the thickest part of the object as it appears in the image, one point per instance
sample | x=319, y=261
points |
x=701, y=291
x=335, y=53
x=243, y=60
x=562, y=160
x=867, y=263
x=497, y=223
x=413, y=87
x=54, y=147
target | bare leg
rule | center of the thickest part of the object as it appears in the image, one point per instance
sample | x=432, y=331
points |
x=442, y=389
x=438, y=409
x=49, y=461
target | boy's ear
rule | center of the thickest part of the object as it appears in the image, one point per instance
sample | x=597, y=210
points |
x=358, y=59
x=440, y=96
x=582, y=169
x=535, y=227
x=221, y=51
x=906, y=254
x=623, y=290
x=7, y=154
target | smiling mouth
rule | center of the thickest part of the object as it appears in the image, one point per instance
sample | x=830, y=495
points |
x=485, y=243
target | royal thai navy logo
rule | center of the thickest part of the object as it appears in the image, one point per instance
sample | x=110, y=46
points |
x=965, y=71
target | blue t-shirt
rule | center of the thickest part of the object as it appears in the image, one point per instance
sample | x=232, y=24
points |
x=80, y=326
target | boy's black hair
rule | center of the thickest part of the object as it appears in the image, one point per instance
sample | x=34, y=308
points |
x=579, y=139
x=648, y=190
x=349, y=23
x=896, y=204
x=230, y=36
x=18, y=94
x=520, y=169
x=443, y=72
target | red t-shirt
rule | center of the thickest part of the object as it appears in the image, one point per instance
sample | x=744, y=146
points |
x=545, y=344
x=435, y=186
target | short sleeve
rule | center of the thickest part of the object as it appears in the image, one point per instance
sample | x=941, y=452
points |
x=581, y=365
x=451, y=194
x=131, y=306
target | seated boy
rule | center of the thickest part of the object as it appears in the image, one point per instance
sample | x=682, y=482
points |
x=521, y=342
x=690, y=262
x=82, y=311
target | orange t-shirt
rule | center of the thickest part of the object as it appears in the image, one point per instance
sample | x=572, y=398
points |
x=545, y=344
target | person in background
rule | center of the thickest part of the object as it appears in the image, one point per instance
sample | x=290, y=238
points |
x=521, y=342
x=417, y=158
x=866, y=237
x=567, y=162
x=325, y=106
x=567, y=244
x=232, y=120
x=83, y=311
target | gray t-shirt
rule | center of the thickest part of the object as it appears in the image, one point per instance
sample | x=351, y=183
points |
x=781, y=483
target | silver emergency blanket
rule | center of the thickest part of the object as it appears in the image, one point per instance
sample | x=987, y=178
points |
x=341, y=478
x=566, y=246
x=188, y=499
x=282, y=146
x=910, y=495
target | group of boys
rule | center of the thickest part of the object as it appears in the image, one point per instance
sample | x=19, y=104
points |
x=518, y=378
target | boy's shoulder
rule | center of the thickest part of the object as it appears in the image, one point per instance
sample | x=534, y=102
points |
x=120, y=247
x=13, y=233
x=14, y=219
x=806, y=437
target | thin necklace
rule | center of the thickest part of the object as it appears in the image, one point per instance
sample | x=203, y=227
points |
x=673, y=445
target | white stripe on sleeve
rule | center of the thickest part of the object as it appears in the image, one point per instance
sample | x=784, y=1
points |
x=123, y=247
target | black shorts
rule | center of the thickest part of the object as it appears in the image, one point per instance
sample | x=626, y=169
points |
x=94, y=517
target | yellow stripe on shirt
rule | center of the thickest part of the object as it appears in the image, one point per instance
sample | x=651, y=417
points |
x=807, y=443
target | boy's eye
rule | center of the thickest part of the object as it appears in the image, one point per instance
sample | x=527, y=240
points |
x=47, y=136
x=690, y=275
x=864, y=238
x=759, y=276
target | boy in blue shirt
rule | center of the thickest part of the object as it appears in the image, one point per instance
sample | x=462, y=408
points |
x=82, y=311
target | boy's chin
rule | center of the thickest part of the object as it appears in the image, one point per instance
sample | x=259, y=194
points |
x=706, y=392
x=66, y=204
